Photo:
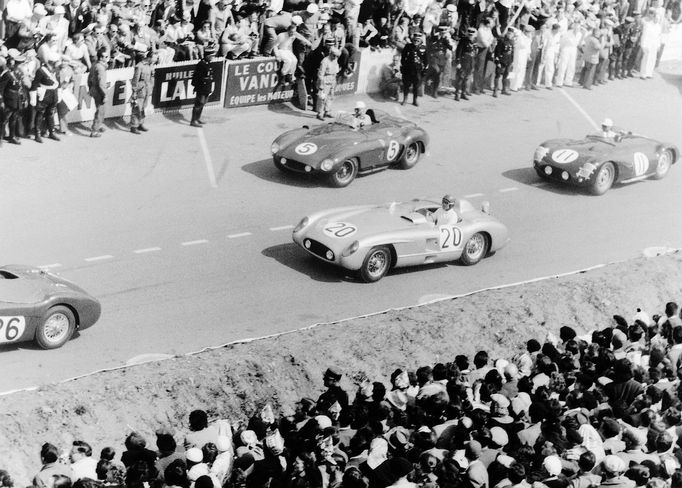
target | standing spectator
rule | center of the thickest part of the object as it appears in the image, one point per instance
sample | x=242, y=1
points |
x=521, y=54
x=533, y=60
x=401, y=34
x=49, y=456
x=440, y=56
x=14, y=13
x=568, y=52
x=45, y=85
x=649, y=42
x=284, y=49
x=504, y=55
x=202, y=80
x=97, y=87
x=12, y=97
x=635, y=40
x=551, y=38
x=591, y=48
x=326, y=83
x=484, y=41
x=465, y=54
x=413, y=64
x=141, y=85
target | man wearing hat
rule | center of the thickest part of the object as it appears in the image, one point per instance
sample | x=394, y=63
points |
x=413, y=62
x=334, y=392
x=503, y=57
x=12, y=96
x=476, y=474
x=631, y=38
x=326, y=83
x=45, y=85
x=97, y=86
x=202, y=81
x=141, y=86
x=440, y=57
x=464, y=59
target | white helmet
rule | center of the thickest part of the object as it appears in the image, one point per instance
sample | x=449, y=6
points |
x=607, y=122
x=360, y=104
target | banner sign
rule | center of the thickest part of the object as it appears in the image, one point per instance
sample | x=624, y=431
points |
x=256, y=82
x=117, y=99
x=173, y=85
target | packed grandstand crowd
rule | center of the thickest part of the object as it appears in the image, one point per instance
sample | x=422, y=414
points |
x=472, y=44
x=600, y=410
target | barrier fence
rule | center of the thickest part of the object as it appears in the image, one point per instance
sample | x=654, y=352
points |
x=237, y=84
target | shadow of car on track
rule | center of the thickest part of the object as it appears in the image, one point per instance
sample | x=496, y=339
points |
x=294, y=258
x=527, y=176
x=266, y=170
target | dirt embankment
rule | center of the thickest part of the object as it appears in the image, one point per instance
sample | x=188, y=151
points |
x=230, y=382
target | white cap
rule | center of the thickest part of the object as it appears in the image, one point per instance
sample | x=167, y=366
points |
x=194, y=455
x=296, y=20
x=608, y=122
x=360, y=104
x=312, y=8
x=59, y=10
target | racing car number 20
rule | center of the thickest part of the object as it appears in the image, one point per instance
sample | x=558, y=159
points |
x=340, y=229
x=11, y=328
x=450, y=237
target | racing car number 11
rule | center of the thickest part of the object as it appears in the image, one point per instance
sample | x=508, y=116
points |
x=450, y=237
x=11, y=328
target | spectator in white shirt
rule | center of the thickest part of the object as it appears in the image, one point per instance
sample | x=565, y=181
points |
x=82, y=463
x=15, y=12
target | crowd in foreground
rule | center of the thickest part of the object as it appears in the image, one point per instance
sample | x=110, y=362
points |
x=599, y=411
x=475, y=45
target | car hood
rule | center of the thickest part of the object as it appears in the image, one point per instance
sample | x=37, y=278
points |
x=588, y=144
x=33, y=285
x=327, y=138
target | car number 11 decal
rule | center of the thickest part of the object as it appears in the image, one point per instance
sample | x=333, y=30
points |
x=393, y=150
x=450, y=237
x=306, y=148
x=641, y=163
x=340, y=230
x=11, y=328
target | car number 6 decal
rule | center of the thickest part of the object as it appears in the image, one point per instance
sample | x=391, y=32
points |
x=340, y=229
x=450, y=236
x=11, y=328
x=393, y=150
x=306, y=148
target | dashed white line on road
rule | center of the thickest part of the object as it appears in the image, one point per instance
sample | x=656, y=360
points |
x=48, y=266
x=194, y=243
x=207, y=158
x=505, y=190
x=241, y=234
x=580, y=109
x=99, y=258
x=473, y=195
x=146, y=249
x=282, y=227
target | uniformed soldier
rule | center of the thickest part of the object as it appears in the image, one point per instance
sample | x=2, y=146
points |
x=413, y=62
x=503, y=57
x=628, y=39
x=202, y=81
x=440, y=56
x=632, y=43
x=45, y=84
x=464, y=58
x=616, y=53
x=141, y=85
x=326, y=82
x=12, y=96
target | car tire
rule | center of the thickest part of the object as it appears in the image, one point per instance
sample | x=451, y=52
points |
x=376, y=264
x=56, y=327
x=604, y=179
x=665, y=161
x=345, y=174
x=475, y=249
x=411, y=156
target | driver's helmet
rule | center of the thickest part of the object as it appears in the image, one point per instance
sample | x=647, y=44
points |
x=360, y=106
x=449, y=201
x=607, y=124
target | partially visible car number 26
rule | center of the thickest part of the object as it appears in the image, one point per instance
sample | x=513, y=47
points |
x=11, y=328
x=450, y=237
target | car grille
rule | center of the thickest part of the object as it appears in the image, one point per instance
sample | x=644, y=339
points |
x=292, y=165
x=318, y=249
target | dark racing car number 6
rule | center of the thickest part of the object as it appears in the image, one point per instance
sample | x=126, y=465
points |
x=450, y=237
x=11, y=328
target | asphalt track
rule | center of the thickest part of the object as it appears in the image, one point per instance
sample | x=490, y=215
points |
x=184, y=234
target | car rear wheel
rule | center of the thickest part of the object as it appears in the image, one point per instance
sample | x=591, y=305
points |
x=376, y=264
x=665, y=161
x=411, y=156
x=56, y=327
x=345, y=174
x=475, y=249
x=604, y=179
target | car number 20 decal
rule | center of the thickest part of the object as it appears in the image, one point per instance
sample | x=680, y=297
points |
x=11, y=328
x=450, y=237
x=306, y=148
x=340, y=229
x=393, y=150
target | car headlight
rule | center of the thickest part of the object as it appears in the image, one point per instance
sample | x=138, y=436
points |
x=301, y=224
x=326, y=165
x=275, y=147
x=350, y=249
x=564, y=175
x=548, y=170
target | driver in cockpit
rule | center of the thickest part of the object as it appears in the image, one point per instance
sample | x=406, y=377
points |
x=607, y=129
x=446, y=214
x=360, y=114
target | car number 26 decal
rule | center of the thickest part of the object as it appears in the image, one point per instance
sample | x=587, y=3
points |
x=393, y=150
x=450, y=237
x=306, y=148
x=11, y=328
x=340, y=229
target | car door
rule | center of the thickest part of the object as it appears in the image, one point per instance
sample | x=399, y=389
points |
x=15, y=320
x=442, y=242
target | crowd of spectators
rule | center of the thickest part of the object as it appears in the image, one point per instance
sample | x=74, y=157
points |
x=595, y=411
x=475, y=45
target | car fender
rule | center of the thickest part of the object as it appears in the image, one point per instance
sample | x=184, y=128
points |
x=290, y=136
x=496, y=230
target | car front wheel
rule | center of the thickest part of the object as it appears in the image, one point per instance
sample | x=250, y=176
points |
x=475, y=249
x=411, y=156
x=56, y=327
x=345, y=174
x=376, y=264
x=604, y=179
x=665, y=161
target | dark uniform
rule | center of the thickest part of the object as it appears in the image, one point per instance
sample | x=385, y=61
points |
x=465, y=54
x=45, y=84
x=503, y=57
x=632, y=31
x=141, y=85
x=615, y=57
x=439, y=51
x=413, y=62
x=202, y=81
x=12, y=100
